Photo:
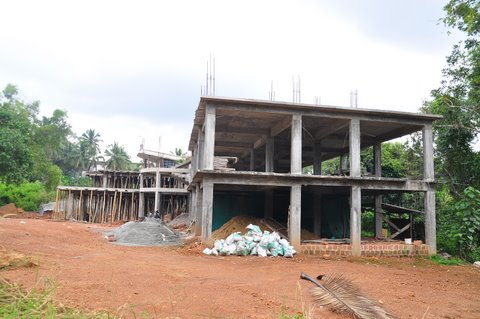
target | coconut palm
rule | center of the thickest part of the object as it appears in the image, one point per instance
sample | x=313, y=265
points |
x=90, y=148
x=117, y=157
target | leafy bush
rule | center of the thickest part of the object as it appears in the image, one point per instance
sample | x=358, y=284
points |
x=28, y=196
x=459, y=225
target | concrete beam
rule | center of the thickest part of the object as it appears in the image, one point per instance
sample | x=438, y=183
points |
x=295, y=216
x=356, y=220
x=354, y=142
x=334, y=126
x=296, y=145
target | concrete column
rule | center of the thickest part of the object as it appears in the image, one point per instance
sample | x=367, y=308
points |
x=141, y=199
x=209, y=145
x=430, y=222
x=269, y=152
x=428, y=170
x=355, y=220
x=157, y=192
x=191, y=203
x=377, y=166
x=317, y=158
x=201, y=144
x=354, y=148
x=295, y=216
x=104, y=181
x=252, y=160
x=269, y=203
x=198, y=210
x=296, y=145
x=207, y=210
x=317, y=213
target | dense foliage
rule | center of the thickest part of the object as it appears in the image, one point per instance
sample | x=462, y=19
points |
x=37, y=154
x=456, y=135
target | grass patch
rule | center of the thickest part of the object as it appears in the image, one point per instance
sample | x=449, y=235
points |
x=15, y=302
x=452, y=261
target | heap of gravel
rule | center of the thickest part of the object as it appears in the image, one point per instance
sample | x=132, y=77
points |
x=182, y=219
x=150, y=232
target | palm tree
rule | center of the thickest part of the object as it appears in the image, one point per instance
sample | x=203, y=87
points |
x=90, y=148
x=118, y=158
x=180, y=153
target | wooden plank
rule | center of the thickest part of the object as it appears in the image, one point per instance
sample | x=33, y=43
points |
x=404, y=228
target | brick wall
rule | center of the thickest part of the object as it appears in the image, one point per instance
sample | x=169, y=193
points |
x=386, y=249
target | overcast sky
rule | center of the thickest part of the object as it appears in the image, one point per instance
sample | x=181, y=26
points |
x=134, y=69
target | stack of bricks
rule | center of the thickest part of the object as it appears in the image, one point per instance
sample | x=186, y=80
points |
x=386, y=249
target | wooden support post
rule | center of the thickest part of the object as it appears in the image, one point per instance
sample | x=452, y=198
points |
x=296, y=145
x=428, y=170
x=269, y=154
x=207, y=210
x=377, y=159
x=294, y=218
x=269, y=203
x=209, y=146
x=55, y=210
x=90, y=207
x=430, y=222
x=355, y=220
x=80, y=210
x=113, y=207
x=354, y=142
x=252, y=160
x=132, y=208
x=317, y=158
x=120, y=206
x=103, y=207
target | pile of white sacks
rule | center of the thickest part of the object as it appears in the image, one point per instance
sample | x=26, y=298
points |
x=253, y=242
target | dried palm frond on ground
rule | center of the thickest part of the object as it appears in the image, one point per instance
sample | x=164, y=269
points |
x=341, y=295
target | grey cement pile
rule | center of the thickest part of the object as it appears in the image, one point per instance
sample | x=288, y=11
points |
x=150, y=232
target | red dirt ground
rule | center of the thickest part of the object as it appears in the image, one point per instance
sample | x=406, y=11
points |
x=181, y=282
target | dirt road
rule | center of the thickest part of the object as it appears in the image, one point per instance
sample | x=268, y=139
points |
x=181, y=282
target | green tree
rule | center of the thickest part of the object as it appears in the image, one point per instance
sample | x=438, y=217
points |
x=89, y=145
x=117, y=157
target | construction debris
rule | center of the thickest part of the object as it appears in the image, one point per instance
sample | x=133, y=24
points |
x=253, y=242
x=150, y=232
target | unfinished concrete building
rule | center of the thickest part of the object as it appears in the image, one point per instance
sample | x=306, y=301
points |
x=273, y=142
x=128, y=195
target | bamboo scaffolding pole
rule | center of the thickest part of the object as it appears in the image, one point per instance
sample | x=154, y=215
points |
x=132, y=206
x=103, y=208
x=90, y=207
x=113, y=207
x=120, y=206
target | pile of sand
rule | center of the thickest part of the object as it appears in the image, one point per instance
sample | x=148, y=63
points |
x=239, y=223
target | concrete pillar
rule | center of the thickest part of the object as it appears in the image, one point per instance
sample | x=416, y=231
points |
x=141, y=199
x=428, y=170
x=296, y=145
x=157, y=191
x=317, y=158
x=192, y=203
x=430, y=222
x=198, y=210
x=200, y=145
x=269, y=203
x=295, y=216
x=377, y=166
x=356, y=220
x=354, y=142
x=252, y=160
x=209, y=144
x=207, y=209
x=269, y=154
